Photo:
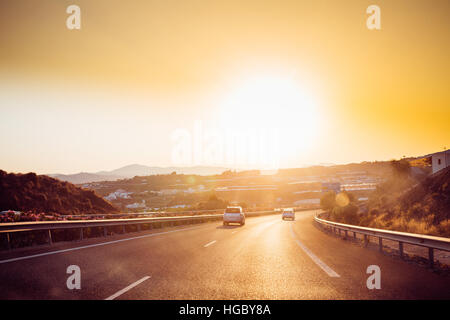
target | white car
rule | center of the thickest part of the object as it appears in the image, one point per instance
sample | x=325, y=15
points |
x=233, y=215
x=288, y=214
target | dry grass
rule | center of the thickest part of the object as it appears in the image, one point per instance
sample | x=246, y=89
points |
x=405, y=223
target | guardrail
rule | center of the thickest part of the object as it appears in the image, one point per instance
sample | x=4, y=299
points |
x=430, y=242
x=139, y=214
x=14, y=227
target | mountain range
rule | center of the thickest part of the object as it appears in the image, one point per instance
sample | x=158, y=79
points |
x=133, y=170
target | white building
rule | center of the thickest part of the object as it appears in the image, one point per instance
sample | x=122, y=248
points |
x=166, y=192
x=440, y=160
x=307, y=201
x=119, y=193
x=136, y=205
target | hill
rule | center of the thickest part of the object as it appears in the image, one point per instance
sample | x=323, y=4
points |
x=84, y=177
x=431, y=196
x=40, y=193
x=405, y=202
x=134, y=170
x=377, y=168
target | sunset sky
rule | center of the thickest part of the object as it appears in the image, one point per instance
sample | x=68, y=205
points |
x=115, y=92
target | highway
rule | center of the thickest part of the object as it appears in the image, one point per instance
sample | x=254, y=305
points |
x=266, y=259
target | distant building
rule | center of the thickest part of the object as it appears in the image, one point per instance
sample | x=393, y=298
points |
x=136, y=205
x=307, y=201
x=166, y=192
x=179, y=206
x=119, y=193
x=331, y=186
x=359, y=186
x=440, y=160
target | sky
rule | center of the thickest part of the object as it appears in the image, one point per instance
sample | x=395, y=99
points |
x=243, y=84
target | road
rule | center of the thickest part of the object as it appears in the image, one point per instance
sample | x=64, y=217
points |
x=265, y=259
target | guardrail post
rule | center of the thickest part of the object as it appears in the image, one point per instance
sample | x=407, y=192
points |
x=123, y=229
x=139, y=228
x=81, y=234
x=431, y=257
x=49, y=235
x=414, y=239
x=105, y=231
x=8, y=240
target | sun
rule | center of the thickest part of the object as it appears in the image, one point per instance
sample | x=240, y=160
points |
x=273, y=101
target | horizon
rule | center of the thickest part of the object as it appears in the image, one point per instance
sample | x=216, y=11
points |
x=237, y=169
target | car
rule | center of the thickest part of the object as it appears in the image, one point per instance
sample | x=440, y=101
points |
x=288, y=214
x=233, y=215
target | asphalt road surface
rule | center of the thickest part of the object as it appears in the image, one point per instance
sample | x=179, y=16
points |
x=266, y=259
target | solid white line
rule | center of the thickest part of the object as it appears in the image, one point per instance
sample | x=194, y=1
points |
x=314, y=258
x=210, y=243
x=93, y=245
x=131, y=286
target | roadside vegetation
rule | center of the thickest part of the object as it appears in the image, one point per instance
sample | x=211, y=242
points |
x=406, y=202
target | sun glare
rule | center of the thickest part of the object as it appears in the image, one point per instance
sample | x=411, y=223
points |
x=278, y=102
x=268, y=100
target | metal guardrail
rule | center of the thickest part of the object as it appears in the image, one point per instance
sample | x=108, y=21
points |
x=14, y=227
x=138, y=214
x=430, y=242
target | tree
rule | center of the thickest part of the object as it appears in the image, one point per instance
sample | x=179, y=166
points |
x=401, y=168
x=347, y=214
x=328, y=200
x=213, y=197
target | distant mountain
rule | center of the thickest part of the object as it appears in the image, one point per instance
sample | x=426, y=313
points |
x=133, y=170
x=40, y=193
x=84, y=177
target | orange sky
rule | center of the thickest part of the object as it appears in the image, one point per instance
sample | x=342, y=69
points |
x=114, y=91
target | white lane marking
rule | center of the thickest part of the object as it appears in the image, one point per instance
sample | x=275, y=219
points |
x=233, y=232
x=314, y=258
x=93, y=245
x=131, y=286
x=210, y=243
